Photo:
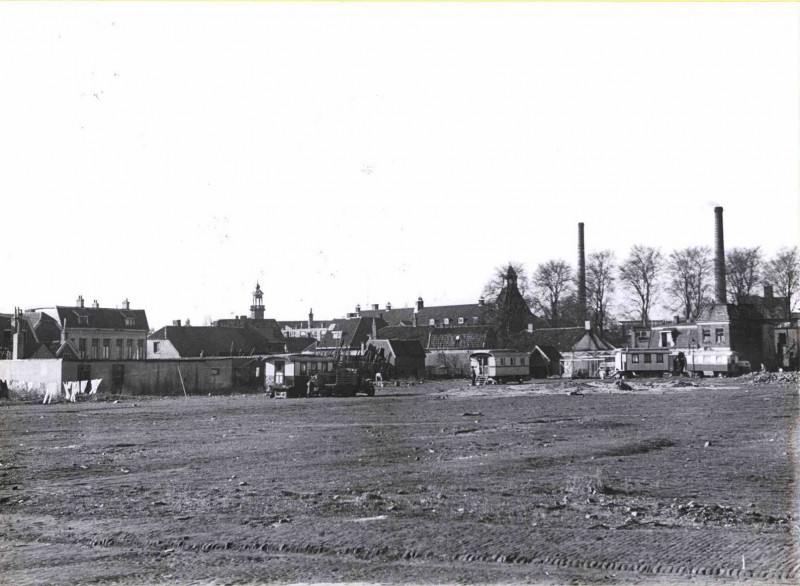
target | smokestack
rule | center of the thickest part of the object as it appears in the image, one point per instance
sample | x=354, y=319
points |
x=720, y=295
x=581, y=274
x=310, y=318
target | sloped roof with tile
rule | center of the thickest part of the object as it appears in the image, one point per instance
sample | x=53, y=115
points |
x=722, y=312
x=101, y=318
x=420, y=334
x=191, y=341
x=469, y=312
x=462, y=338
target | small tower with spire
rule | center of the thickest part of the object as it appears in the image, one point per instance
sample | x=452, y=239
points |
x=257, y=308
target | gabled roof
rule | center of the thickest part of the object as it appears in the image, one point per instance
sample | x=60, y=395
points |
x=407, y=348
x=100, y=317
x=191, y=341
x=550, y=353
x=398, y=348
x=354, y=332
x=591, y=342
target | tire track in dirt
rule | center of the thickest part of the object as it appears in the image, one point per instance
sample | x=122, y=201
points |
x=491, y=551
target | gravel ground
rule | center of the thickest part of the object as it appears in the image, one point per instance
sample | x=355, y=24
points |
x=557, y=482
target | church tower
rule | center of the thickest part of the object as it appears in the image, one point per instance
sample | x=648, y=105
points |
x=257, y=308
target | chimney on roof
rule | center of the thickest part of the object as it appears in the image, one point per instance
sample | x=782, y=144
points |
x=375, y=307
x=768, y=292
x=358, y=309
x=420, y=304
x=310, y=318
x=581, y=274
x=79, y=301
x=374, y=329
x=720, y=295
x=176, y=323
x=530, y=328
x=388, y=306
x=481, y=301
x=587, y=325
x=95, y=304
x=414, y=322
x=125, y=304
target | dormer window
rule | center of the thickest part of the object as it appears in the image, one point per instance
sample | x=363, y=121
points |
x=460, y=321
x=130, y=321
x=431, y=322
x=446, y=321
x=83, y=320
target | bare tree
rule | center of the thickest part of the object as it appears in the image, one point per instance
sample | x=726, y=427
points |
x=783, y=272
x=600, y=286
x=640, y=274
x=690, y=273
x=552, y=281
x=743, y=271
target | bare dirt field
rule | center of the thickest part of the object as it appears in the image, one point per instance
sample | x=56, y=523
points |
x=554, y=482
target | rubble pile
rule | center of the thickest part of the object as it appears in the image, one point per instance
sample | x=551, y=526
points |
x=757, y=378
x=714, y=513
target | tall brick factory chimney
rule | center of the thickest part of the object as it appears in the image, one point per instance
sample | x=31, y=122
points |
x=720, y=289
x=581, y=274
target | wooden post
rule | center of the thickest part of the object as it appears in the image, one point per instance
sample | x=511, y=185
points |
x=180, y=374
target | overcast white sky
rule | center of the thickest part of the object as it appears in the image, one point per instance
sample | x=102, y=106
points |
x=354, y=153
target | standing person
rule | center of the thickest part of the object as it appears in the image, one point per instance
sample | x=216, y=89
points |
x=474, y=374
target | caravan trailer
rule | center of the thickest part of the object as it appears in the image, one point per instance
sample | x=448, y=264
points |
x=288, y=375
x=493, y=366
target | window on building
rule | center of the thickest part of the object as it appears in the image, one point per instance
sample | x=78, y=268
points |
x=446, y=321
x=706, y=336
x=460, y=320
x=140, y=349
x=130, y=322
x=660, y=358
x=502, y=362
x=635, y=358
x=648, y=358
x=95, y=346
x=156, y=347
x=84, y=372
x=524, y=360
x=431, y=322
x=457, y=341
x=719, y=335
x=303, y=368
x=214, y=371
x=330, y=367
x=665, y=339
x=511, y=361
x=119, y=348
x=129, y=345
x=83, y=320
x=82, y=347
x=107, y=348
x=643, y=334
x=475, y=319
